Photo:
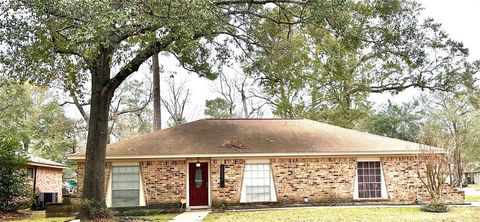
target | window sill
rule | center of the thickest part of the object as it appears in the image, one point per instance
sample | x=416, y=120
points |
x=371, y=199
x=259, y=202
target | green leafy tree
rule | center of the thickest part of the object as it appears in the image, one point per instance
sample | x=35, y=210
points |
x=104, y=42
x=35, y=111
x=396, y=121
x=455, y=119
x=326, y=69
x=13, y=175
x=218, y=108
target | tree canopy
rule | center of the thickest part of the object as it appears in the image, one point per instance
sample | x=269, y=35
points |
x=35, y=112
x=316, y=59
x=13, y=174
x=396, y=121
x=218, y=108
x=326, y=69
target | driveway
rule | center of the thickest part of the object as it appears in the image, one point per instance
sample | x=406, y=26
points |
x=471, y=191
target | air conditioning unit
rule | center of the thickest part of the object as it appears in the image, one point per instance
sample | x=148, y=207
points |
x=44, y=198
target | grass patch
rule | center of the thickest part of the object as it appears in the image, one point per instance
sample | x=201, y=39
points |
x=473, y=186
x=472, y=198
x=161, y=217
x=411, y=214
x=40, y=217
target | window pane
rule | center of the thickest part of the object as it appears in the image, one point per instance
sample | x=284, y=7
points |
x=369, y=179
x=125, y=186
x=257, y=182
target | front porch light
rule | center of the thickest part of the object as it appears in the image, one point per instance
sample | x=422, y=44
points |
x=198, y=163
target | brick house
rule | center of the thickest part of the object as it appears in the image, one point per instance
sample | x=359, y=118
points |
x=45, y=176
x=216, y=162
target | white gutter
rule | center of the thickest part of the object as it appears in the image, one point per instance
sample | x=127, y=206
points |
x=72, y=157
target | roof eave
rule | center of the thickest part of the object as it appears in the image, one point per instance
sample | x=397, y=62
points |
x=122, y=157
x=46, y=165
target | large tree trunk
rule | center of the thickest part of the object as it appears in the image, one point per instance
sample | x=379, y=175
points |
x=157, y=113
x=244, y=104
x=101, y=96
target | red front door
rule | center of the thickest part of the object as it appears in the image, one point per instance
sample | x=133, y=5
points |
x=198, y=184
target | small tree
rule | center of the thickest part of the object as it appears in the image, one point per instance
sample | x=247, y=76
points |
x=218, y=108
x=433, y=173
x=13, y=174
x=433, y=169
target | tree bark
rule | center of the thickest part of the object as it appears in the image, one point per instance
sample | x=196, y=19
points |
x=244, y=104
x=157, y=112
x=94, y=175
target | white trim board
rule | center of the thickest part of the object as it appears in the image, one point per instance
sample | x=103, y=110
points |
x=141, y=197
x=273, y=193
x=323, y=154
x=383, y=189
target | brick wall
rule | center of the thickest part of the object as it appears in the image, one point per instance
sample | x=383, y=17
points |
x=320, y=179
x=49, y=180
x=403, y=184
x=327, y=180
x=81, y=172
x=164, y=181
x=323, y=180
x=230, y=194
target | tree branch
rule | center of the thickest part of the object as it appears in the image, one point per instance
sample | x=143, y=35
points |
x=138, y=60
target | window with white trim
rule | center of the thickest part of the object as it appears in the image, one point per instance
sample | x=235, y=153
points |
x=125, y=186
x=369, y=177
x=258, y=185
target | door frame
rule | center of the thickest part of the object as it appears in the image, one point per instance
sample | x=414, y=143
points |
x=188, y=183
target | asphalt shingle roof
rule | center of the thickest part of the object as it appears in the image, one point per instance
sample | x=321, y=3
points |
x=35, y=160
x=223, y=137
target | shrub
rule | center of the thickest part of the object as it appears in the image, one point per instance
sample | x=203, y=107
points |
x=90, y=209
x=13, y=173
x=435, y=207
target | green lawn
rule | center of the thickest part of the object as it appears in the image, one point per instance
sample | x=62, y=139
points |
x=473, y=185
x=160, y=217
x=350, y=214
x=40, y=217
x=472, y=198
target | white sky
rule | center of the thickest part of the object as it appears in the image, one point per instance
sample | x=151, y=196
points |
x=459, y=18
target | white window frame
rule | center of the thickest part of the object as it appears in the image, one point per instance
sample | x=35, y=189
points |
x=383, y=186
x=243, y=194
x=108, y=198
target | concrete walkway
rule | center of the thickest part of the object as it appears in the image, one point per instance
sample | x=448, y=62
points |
x=191, y=216
x=472, y=191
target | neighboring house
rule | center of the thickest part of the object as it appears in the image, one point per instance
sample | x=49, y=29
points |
x=45, y=179
x=472, y=174
x=215, y=162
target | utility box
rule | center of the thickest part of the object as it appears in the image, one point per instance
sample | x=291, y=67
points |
x=44, y=198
